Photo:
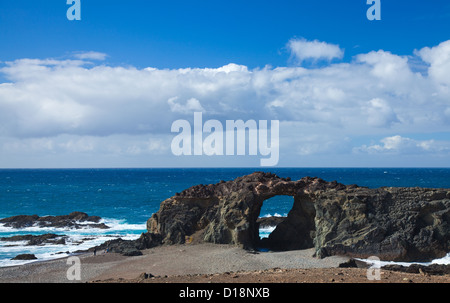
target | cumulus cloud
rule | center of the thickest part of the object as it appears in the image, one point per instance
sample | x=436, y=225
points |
x=439, y=59
x=192, y=105
x=380, y=114
x=404, y=145
x=53, y=105
x=303, y=49
x=51, y=97
x=387, y=67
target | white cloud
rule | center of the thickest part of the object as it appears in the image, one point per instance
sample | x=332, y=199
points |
x=387, y=67
x=192, y=105
x=318, y=144
x=90, y=56
x=439, y=59
x=403, y=145
x=117, y=145
x=84, y=107
x=380, y=114
x=50, y=97
x=303, y=49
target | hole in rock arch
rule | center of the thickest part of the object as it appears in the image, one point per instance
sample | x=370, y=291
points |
x=286, y=223
x=273, y=211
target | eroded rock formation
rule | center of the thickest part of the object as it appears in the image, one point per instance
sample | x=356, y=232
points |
x=75, y=220
x=37, y=239
x=391, y=223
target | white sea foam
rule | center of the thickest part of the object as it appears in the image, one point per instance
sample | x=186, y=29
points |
x=45, y=252
x=114, y=224
x=274, y=215
x=12, y=243
x=444, y=261
x=76, y=240
x=264, y=232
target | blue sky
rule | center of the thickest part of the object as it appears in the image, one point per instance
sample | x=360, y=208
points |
x=173, y=34
x=372, y=93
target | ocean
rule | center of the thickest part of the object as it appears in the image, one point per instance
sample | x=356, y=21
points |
x=126, y=198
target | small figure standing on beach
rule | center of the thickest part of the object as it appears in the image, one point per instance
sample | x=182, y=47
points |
x=95, y=251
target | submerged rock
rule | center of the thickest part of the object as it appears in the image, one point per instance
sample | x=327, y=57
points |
x=400, y=224
x=37, y=240
x=433, y=269
x=269, y=221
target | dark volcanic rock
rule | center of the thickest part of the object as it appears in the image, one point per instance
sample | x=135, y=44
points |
x=433, y=269
x=37, y=240
x=270, y=221
x=130, y=247
x=75, y=220
x=390, y=223
x=20, y=221
x=25, y=257
x=349, y=264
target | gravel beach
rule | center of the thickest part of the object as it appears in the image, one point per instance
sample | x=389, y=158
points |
x=202, y=263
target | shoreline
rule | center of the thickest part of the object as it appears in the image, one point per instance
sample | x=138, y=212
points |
x=205, y=263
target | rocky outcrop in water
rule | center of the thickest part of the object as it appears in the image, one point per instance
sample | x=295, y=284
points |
x=25, y=257
x=391, y=223
x=269, y=221
x=37, y=239
x=432, y=269
x=74, y=220
x=414, y=268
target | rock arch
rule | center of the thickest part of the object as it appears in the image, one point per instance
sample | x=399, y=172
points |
x=297, y=231
x=329, y=216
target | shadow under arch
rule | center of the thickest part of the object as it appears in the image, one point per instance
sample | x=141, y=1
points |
x=296, y=231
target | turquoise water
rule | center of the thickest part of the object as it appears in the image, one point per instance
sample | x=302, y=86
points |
x=126, y=198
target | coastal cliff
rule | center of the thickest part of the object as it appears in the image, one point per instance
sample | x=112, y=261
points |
x=399, y=224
